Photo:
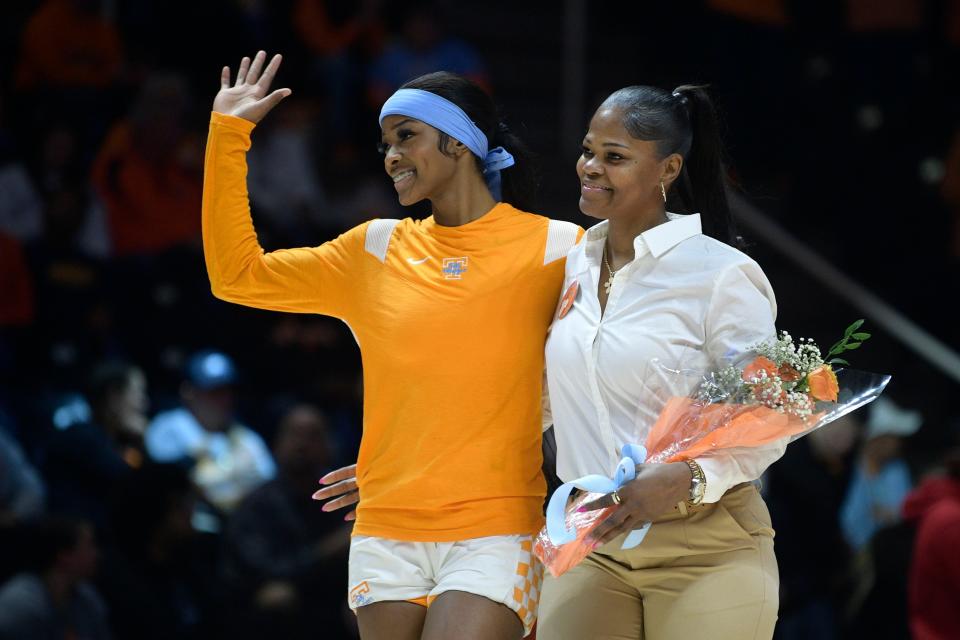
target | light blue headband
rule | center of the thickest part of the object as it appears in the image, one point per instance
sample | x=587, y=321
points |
x=442, y=114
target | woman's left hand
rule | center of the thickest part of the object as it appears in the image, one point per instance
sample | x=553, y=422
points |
x=656, y=489
x=342, y=485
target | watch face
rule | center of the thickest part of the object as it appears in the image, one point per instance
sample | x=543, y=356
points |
x=697, y=490
x=697, y=483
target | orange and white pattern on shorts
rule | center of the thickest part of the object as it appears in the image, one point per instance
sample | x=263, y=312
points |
x=526, y=592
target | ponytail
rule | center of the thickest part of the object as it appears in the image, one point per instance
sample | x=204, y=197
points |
x=684, y=122
x=703, y=179
x=518, y=183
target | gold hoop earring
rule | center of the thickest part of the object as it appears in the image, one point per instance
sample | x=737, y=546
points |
x=663, y=191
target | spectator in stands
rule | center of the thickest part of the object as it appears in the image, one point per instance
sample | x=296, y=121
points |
x=286, y=558
x=16, y=304
x=284, y=178
x=70, y=65
x=85, y=461
x=881, y=479
x=159, y=578
x=21, y=489
x=71, y=293
x=343, y=37
x=55, y=598
x=69, y=44
x=934, y=581
x=228, y=459
x=872, y=526
x=21, y=209
x=55, y=164
x=17, y=309
x=147, y=172
x=804, y=492
x=331, y=31
x=421, y=47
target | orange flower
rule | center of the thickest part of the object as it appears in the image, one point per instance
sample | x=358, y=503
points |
x=788, y=373
x=823, y=384
x=752, y=370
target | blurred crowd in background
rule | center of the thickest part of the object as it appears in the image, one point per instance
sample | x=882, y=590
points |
x=158, y=447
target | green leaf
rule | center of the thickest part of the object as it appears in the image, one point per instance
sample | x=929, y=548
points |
x=852, y=346
x=860, y=336
x=856, y=325
x=837, y=345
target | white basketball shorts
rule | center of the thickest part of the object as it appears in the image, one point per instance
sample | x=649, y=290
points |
x=501, y=568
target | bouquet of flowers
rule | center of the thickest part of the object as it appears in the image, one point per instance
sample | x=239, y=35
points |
x=782, y=390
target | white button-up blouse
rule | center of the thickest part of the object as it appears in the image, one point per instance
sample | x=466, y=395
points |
x=685, y=303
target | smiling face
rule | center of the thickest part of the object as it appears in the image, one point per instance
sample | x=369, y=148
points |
x=413, y=160
x=620, y=175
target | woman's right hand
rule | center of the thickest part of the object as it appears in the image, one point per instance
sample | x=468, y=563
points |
x=248, y=97
x=342, y=485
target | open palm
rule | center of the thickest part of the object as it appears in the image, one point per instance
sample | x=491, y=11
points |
x=248, y=98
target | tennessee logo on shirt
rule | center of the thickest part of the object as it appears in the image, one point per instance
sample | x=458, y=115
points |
x=453, y=268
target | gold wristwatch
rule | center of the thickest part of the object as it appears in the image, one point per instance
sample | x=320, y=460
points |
x=698, y=484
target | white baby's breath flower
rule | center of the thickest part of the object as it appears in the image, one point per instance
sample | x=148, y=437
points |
x=765, y=388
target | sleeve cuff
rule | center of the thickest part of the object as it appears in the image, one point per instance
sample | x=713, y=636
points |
x=717, y=480
x=240, y=125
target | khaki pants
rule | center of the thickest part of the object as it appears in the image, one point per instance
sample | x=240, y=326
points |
x=705, y=572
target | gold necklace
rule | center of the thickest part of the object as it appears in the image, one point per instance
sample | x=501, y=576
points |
x=610, y=273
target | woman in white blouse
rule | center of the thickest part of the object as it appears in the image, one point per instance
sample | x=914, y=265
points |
x=656, y=291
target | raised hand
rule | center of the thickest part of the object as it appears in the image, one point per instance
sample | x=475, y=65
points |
x=248, y=97
x=343, y=483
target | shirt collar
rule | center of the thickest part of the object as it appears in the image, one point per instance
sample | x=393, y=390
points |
x=660, y=238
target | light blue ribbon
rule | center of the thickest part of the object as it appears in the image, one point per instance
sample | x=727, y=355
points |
x=444, y=115
x=557, y=507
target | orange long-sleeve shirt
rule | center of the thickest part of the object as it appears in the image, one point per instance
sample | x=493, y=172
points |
x=451, y=324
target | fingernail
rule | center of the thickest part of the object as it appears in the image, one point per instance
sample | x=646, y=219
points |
x=323, y=480
x=346, y=518
x=324, y=508
x=581, y=509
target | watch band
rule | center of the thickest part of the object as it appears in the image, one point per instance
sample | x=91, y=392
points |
x=698, y=483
